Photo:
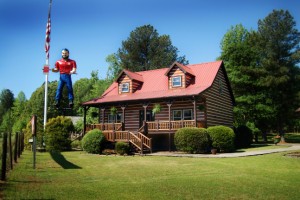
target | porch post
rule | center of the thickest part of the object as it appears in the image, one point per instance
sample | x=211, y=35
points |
x=123, y=117
x=195, y=111
x=145, y=119
x=99, y=114
x=84, y=119
x=102, y=118
x=169, y=105
x=145, y=111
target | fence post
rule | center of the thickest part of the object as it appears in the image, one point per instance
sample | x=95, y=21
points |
x=33, y=130
x=16, y=147
x=10, y=151
x=22, y=143
x=4, y=156
x=19, y=144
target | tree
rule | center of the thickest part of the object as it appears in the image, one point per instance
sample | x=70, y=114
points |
x=278, y=44
x=262, y=68
x=114, y=67
x=240, y=58
x=6, y=102
x=20, y=113
x=146, y=50
x=86, y=89
x=7, y=122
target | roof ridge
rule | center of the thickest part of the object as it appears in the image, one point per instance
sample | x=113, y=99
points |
x=203, y=63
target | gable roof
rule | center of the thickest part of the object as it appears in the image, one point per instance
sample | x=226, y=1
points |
x=155, y=84
x=182, y=67
x=131, y=75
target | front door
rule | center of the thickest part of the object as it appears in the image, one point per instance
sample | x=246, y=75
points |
x=149, y=116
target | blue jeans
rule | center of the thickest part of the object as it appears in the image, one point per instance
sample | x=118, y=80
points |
x=65, y=79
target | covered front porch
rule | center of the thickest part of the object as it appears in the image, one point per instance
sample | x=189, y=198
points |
x=142, y=138
x=136, y=118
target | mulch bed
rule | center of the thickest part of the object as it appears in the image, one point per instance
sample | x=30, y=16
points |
x=293, y=154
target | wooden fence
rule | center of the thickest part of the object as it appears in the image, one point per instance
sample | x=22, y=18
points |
x=11, y=149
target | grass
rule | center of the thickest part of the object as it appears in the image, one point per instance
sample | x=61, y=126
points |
x=256, y=147
x=77, y=175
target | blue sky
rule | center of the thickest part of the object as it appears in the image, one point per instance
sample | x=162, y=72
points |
x=93, y=29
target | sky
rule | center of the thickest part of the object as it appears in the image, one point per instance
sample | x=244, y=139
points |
x=94, y=29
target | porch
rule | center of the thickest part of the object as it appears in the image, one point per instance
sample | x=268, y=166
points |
x=140, y=118
x=115, y=132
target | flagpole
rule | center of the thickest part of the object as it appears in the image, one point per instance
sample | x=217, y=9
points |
x=46, y=67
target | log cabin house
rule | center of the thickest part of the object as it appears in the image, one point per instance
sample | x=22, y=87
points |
x=149, y=106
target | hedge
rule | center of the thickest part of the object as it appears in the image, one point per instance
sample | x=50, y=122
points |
x=192, y=140
x=57, y=134
x=222, y=138
x=93, y=141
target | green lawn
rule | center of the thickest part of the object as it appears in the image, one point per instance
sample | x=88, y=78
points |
x=77, y=175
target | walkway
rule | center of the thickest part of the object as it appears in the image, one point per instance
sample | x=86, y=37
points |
x=292, y=147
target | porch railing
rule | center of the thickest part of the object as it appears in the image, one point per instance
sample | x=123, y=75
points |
x=158, y=125
x=172, y=125
x=139, y=140
x=105, y=126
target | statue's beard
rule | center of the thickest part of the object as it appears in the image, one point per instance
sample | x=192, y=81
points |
x=65, y=57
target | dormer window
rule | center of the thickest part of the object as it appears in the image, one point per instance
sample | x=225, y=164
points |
x=125, y=87
x=176, y=81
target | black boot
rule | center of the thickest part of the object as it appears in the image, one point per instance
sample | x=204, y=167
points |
x=57, y=103
x=71, y=104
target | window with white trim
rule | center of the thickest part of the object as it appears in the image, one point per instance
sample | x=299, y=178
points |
x=125, y=87
x=176, y=81
x=184, y=114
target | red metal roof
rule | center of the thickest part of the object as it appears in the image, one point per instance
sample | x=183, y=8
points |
x=155, y=84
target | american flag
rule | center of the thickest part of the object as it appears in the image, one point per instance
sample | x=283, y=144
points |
x=48, y=31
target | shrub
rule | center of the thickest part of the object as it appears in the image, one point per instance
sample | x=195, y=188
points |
x=222, y=138
x=76, y=144
x=192, y=140
x=243, y=137
x=57, y=134
x=28, y=135
x=93, y=141
x=122, y=148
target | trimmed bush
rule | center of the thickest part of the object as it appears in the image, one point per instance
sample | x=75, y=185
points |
x=222, y=138
x=40, y=139
x=192, y=140
x=93, y=141
x=243, y=137
x=122, y=148
x=76, y=144
x=57, y=134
